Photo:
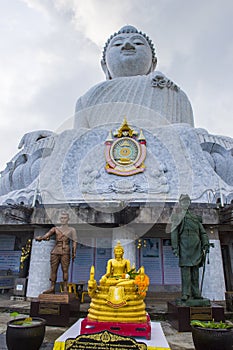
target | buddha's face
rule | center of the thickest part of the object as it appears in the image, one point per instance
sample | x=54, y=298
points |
x=128, y=55
x=118, y=252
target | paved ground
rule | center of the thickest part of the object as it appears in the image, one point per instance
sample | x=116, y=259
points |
x=157, y=310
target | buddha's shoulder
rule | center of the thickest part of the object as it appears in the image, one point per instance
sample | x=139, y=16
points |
x=155, y=80
x=160, y=80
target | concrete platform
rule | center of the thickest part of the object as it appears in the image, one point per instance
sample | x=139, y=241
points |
x=156, y=308
x=157, y=341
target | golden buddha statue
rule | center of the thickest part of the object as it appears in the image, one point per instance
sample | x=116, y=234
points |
x=119, y=297
x=117, y=268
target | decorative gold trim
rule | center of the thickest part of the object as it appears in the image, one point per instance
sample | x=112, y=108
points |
x=103, y=339
x=125, y=130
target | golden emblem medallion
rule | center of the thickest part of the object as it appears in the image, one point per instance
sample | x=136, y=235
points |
x=125, y=151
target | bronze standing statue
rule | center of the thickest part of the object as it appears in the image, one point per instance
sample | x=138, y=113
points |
x=190, y=243
x=61, y=252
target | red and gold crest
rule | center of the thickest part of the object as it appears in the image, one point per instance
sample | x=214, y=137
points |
x=125, y=151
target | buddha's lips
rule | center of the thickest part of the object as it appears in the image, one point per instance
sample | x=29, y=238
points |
x=128, y=52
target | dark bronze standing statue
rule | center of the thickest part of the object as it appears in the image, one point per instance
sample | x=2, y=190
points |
x=190, y=243
x=61, y=252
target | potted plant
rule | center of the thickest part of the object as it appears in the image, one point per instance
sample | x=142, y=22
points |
x=25, y=333
x=212, y=335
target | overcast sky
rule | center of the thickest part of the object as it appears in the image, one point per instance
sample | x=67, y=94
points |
x=50, y=54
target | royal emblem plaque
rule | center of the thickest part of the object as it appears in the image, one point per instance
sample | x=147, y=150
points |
x=104, y=341
x=125, y=151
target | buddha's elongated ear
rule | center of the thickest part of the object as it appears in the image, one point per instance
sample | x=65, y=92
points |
x=105, y=69
x=153, y=64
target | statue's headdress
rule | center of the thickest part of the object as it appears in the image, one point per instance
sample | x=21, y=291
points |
x=184, y=197
x=130, y=29
x=118, y=245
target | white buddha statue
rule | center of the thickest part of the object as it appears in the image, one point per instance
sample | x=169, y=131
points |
x=150, y=101
x=129, y=62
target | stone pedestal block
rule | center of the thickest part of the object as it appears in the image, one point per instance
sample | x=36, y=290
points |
x=181, y=316
x=56, y=309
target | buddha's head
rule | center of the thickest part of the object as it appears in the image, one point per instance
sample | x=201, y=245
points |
x=128, y=53
x=118, y=250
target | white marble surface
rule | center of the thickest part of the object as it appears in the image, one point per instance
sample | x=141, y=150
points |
x=39, y=272
x=214, y=283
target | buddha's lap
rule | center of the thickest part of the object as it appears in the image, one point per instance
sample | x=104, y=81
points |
x=119, y=282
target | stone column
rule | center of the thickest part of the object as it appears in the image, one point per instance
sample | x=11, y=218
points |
x=39, y=271
x=214, y=282
x=127, y=237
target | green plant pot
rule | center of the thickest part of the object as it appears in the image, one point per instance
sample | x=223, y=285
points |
x=21, y=337
x=212, y=339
